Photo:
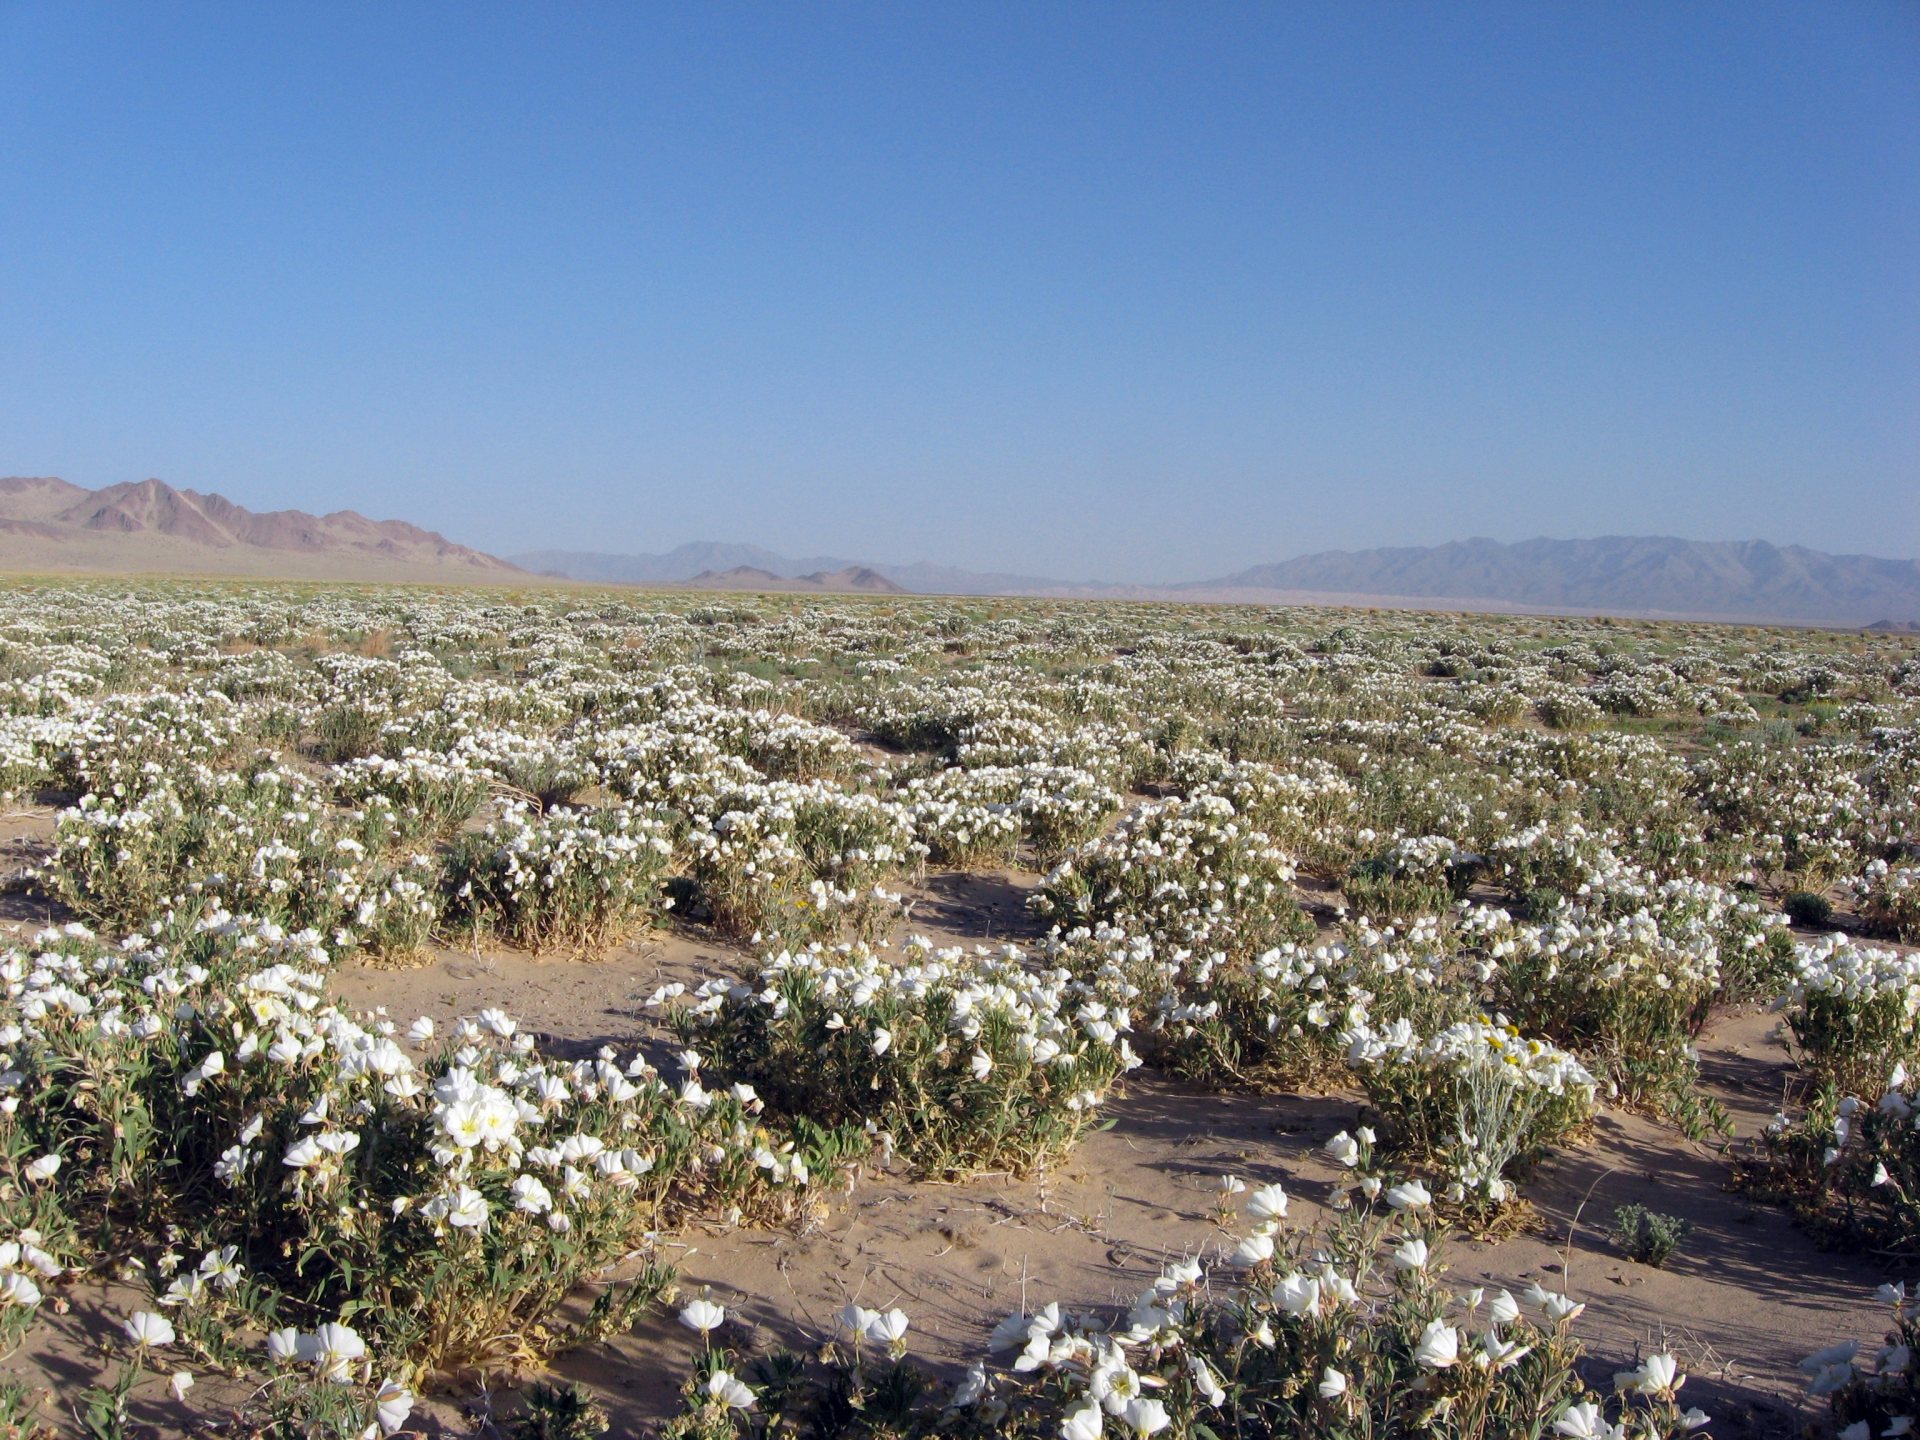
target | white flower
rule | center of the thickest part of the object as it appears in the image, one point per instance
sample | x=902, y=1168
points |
x=145, y=1328
x=1082, y=1424
x=1297, y=1294
x=1145, y=1417
x=1344, y=1149
x=1269, y=1202
x=1585, y=1422
x=1409, y=1255
x=1439, y=1346
x=1657, y=1375
x=731, y=1392
x=44, y=1168
x=1253, y=1250
x=1332, y=1384
x=887, y=1328
x=981, y=1064
x=702, y=1315
x=972, y=1386
x=333, y=1348
x=1205, y=1381
x=284, y=1344
x=469, y=1210
x=882, y=1038
x=179, y=1383
x=1409, y=1195
x=392, y=1405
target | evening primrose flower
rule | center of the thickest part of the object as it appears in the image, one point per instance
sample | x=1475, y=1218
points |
x=1344, y=1149
x=1269, y=1202
x=1439, y=1346
x=1409, y=1255
x=1332, y=1384
x=889, y=1328
x=1409, y=1195
x=1583, y=1421
x=1205, y=1381
x=392, y=1405
x=702, y=1316
x=1082, y=1424
x=1253, y=1250
x=1656, y=1375
x=332, y=1349
x=723, y=1386
x=148, y=1330
x=469, y=1210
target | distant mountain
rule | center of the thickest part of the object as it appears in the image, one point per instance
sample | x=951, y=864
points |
x=707, y=558
x=52, y=526
x=1629, y=575
x=697, y=557
x=848, y=580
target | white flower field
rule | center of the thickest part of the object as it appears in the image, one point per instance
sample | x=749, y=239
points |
x=863, y=908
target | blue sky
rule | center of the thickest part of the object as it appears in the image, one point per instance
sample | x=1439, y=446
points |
x=1122, y=290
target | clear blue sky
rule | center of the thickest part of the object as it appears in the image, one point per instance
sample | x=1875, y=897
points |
x=1126, y=290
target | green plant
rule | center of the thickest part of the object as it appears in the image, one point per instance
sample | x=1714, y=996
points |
x=1804, y=907
x=1647, y=1235
x=557, y=1412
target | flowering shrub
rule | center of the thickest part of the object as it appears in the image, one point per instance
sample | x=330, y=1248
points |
x=1348, y=1332
x=1189, y=873
x=1476, y=1101
x=1889, y=898
x=804, y=862
x=579, y=878
x=1418, y=875
x=1277, y=1016
x=200, y=1084
x=1855, y=1013
x=963, y=1061
x=1877, y=1396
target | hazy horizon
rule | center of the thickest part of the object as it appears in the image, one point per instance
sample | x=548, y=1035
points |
x=1081, y=292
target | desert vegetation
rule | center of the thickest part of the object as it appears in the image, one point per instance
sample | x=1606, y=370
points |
x=1481, y=885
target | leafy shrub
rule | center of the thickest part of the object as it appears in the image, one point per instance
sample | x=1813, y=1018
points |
x=963, y=1061
x=1855, y=1013
x=1475, y=1104
x=1889, y=899
x=1803, y=907
x=1190, y=873
x=577, y=878
x=1648, y=1236
x=229, y=1108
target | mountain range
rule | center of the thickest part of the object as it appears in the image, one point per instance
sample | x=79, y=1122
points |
x=1647, y=576
x=49, y=526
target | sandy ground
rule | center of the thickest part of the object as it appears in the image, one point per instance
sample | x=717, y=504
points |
x=1748, y=1295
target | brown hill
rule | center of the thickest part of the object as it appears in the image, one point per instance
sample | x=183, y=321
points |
x=51, y=526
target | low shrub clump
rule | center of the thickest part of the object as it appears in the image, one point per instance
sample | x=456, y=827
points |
x=575, y=878
x=961, y=1061
x=1474, y=1104
x=1648, y=1236
x=1347, y=1332
x=196, y=1093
